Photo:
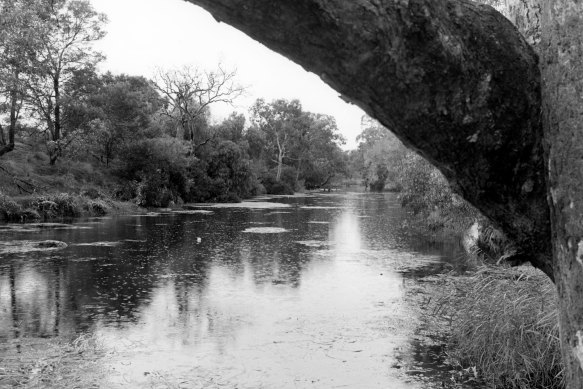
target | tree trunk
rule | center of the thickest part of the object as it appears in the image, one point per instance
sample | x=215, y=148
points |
x=9, y=146
x=562, y=91
x=57, y=110
x=279, y=166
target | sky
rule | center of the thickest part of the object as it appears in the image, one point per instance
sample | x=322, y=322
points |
x=143, y=35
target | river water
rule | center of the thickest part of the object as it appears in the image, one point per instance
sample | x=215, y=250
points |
x=286, y=292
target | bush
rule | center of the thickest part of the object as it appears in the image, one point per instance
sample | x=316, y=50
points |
x=504, y=327
x=426, y=193
x=9, y=209
x=155, y=170
x=58, y=205
x=272, y=186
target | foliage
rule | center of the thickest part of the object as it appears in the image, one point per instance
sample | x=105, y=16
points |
x=116, y=111
x=379, y=156
x=286, y=137
x=154, y=171
x=427, y=193
x=503, y=325
x=65, y=31
x=273, y=186
x=9, y=209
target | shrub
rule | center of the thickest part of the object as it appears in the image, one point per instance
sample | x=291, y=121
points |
x=9, y=209
x=426, y=193
x=504, y=327
x=96, y=207
x=272, y=186
x=57, y=205
x=156, y=172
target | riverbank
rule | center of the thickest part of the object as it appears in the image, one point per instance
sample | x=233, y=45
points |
x=59, y=206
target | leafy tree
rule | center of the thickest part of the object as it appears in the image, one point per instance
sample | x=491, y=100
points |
x=317, y=153
x=18, y=38
x=380, y=155
x=280, y=123
x=112, y=111
x=66, y=30
x=232, y=128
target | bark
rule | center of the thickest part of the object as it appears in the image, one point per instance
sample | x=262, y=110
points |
x=562, y=90
x=452, y=79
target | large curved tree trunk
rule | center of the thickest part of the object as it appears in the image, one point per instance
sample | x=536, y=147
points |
x=453, y=79
x=456, y=81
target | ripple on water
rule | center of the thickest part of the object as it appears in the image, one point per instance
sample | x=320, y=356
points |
x=265, y=230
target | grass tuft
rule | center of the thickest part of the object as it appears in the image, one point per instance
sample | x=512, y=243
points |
x=503, y=328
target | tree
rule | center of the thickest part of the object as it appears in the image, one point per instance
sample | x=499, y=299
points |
x=111, y=111
x=17, y=39
x=281, y=122
x=317, y=151
x=189, y=92
x=459, y=83
x=66, y=30
x=380, y=154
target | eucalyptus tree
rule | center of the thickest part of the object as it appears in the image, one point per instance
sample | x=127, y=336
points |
x=66, y=31
x=281, y=123
x=18, y=38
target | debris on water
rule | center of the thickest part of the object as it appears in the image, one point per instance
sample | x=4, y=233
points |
x=193, y=212
x=318, y=207
x=99, y=244
x=26, y=246
x=265, y=230
x=244, y=204
x=313, y=243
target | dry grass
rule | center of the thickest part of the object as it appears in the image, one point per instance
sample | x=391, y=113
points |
x=503, y=327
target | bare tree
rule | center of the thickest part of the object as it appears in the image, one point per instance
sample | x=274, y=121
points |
x=189, y=92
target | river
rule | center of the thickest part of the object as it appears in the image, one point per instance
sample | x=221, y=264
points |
x=282, y=292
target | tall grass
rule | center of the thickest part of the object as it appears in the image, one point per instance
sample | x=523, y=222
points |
x=503, y=327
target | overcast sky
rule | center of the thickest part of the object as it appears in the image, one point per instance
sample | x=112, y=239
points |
x=146, y=34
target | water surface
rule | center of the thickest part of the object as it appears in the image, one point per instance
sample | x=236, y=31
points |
x=306, y=294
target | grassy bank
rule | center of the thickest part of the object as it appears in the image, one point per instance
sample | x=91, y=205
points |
x=52, y=206
x=33, y=190
x=500, y=327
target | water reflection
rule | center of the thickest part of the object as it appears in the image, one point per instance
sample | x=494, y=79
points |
x=318, y=303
